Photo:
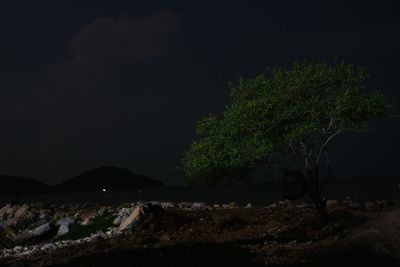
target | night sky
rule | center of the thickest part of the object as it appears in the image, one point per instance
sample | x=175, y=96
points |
x=85, y=84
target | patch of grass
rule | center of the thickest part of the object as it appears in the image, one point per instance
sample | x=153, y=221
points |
x=78, y=231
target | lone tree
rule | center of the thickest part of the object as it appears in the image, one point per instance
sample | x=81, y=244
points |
x=285, y=119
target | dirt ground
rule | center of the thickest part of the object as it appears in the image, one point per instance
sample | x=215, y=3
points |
x=281, y=236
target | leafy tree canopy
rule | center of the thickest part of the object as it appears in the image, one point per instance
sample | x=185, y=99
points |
x=285, y=116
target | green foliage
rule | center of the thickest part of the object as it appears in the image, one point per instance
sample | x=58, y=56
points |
x=286, y=112
x=78, y=231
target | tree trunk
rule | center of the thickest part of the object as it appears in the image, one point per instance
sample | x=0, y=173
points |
x=309, y=184
x=320, y=206
x=315, y=195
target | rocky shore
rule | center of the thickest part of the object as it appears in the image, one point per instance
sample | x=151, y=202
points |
x=22, y=226
x=280, y=234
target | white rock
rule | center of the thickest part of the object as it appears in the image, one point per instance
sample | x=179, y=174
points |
x=87, y=221
x=184, y=205
x=101, y=211
x=47, y=246
x=371, y=206
x=167, y=205
x=353, y=204
x=199, y=205
x=43, y=215
x=234, y=204
x=134, y=218
x=12, y=210
x=288, y=203
x=332, y=205
x=41, y=229
x=63, y=230
x=24, y=236
x=38, y=231
x=118, y=220
x=124, y=212
x=248, y=206
x=18, y=248
x=65, y=221
x=383, y=203
x=22, y=211
x=302, y=205
x=4, y=210
x=151, y=202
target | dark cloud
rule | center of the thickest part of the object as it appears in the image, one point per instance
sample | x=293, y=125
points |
x=87, y=81
x=113, y=41
x=73, y=106
x=100, y=49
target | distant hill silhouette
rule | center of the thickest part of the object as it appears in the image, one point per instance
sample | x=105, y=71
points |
x=109, y=178
x=12, y=185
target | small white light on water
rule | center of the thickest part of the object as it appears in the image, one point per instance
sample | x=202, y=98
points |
x=104, y=190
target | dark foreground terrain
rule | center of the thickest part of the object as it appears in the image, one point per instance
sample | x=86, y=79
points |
x=196, y=234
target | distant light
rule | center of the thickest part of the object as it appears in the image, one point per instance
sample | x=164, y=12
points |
x=104, y=190
x=140, y=191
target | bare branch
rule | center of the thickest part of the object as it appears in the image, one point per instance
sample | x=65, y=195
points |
x=329, y=126
x=324, y=145
x=330, y=138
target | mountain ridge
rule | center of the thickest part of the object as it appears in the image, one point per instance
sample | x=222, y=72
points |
x=106, y=177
